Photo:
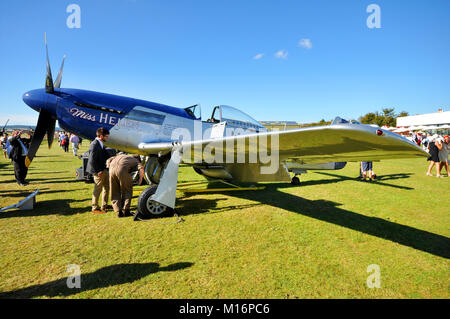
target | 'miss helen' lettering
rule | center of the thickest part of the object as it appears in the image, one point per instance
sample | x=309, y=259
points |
x=104, y=117
x=82, y=114
x=107, y=119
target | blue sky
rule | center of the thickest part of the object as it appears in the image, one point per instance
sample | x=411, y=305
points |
x=185, y=52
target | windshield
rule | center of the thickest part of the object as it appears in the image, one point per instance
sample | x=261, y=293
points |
x=235, y=117
x=194, y=111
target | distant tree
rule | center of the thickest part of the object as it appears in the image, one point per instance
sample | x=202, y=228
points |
x=388, y=112
x=387, y=117
x=369, y=118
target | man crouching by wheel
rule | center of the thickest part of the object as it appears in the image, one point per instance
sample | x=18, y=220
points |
x=121, y=168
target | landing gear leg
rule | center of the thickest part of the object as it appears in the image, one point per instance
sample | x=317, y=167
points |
x=159, y=200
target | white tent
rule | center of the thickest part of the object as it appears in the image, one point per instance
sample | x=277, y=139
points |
x=431, y=127
x=401, y=130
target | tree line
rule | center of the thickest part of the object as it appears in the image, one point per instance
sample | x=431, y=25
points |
x=387, y=116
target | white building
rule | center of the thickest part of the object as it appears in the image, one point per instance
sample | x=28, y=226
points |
x=435, y=120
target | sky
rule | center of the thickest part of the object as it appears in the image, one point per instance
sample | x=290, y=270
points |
x=275, y=60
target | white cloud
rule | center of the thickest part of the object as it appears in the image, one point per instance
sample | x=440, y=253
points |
x=281, y=54
x=258, y=56
x=305, y=43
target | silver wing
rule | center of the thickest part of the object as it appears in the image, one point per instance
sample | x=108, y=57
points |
x=320, y=144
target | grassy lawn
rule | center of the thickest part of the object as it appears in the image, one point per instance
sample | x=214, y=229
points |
x=311, y=241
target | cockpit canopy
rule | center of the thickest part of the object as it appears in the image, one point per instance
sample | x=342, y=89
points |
x=233, y=117
x=194, y=111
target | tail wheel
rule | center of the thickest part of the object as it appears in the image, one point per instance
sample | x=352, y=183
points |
x=295, y=181
x=149, y=208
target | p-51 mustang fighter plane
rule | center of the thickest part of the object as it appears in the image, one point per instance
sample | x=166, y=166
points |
x=230, y=145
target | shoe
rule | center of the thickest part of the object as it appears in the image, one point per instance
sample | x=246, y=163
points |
x=104, y=208
x=120, y=214
x=127, y=213
x=98, y=211
x=428, y=174
x=25, y=183
x=439, y=176
x=20, y=184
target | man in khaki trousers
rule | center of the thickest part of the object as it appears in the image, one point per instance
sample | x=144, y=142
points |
x=121, y=182
x=96, y=165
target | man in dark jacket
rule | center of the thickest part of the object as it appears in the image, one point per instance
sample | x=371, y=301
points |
x=18, y=153
x=96, y=165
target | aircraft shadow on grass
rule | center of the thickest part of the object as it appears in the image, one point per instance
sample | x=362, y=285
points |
x=196, y=206
x=329, y=212
x=102, y=278
x=378, y=180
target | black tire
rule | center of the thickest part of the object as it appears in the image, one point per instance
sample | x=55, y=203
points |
x=151, y=209
x=295, y=181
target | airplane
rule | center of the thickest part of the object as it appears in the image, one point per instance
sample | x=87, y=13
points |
x=148, y=128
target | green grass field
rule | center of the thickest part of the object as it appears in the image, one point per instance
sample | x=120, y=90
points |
x=311, y=241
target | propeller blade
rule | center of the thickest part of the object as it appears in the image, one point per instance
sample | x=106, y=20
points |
x=48, y=79
x=43, y=125
x=51, y=132
x=59, y=77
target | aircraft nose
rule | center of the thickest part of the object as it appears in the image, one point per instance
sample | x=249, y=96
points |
x=39, y=99
x=34, y=99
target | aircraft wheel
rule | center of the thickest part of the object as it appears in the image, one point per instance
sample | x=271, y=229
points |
x=295, y=181
x=148, y=208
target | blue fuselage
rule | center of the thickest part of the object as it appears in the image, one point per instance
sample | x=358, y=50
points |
x=130, y=120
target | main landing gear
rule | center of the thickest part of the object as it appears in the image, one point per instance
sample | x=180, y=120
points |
x=158, y=200
x=149, y=208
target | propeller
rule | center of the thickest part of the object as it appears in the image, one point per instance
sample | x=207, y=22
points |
x=59, y=77
x=4, y=127
x=46, y=122
x=48, y=79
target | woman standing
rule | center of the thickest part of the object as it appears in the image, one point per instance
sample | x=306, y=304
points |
x=443, y=154
x=434, y=155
